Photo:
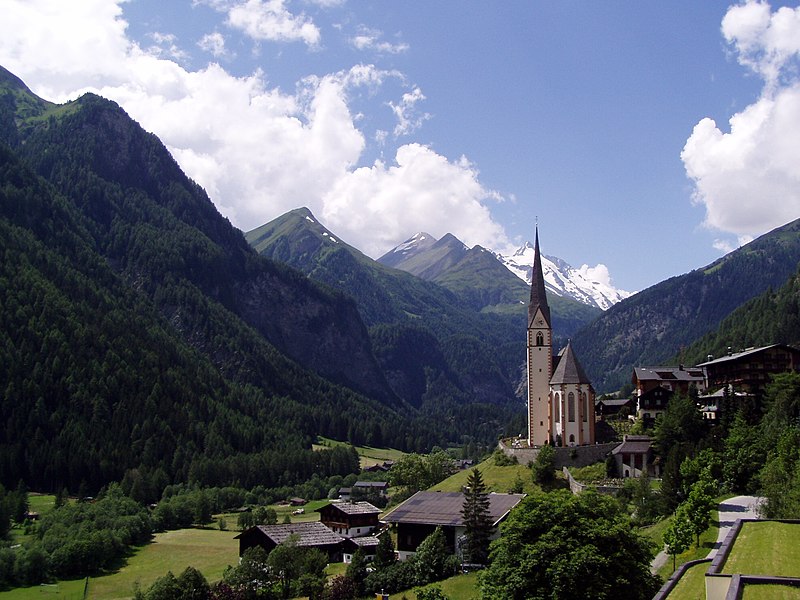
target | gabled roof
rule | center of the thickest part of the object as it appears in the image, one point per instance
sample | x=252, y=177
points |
x=634, y=444
x=444, y=508
x=569, y=369
x=352, y=508
x=308, y=534
x=746, y=353
x=538, y=294
x=679, y=373
x=371, y=484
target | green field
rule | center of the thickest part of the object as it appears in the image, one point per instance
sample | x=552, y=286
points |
x=63, y=590
x=460, y=587
x=210, y=551
x=692, y=585
x=765, y=548
x=770, y=592
x=369, y=456
x=497, y=479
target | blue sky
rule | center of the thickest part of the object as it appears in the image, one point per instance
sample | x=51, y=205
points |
x=647, y=137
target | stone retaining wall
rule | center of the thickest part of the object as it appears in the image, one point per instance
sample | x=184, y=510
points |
x=576, y=456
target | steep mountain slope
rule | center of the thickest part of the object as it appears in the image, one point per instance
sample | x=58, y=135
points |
x=657, y=323
x=141, y=333
x=481, y=281
x=429, y=343
x=562, y=279
x=773, y=317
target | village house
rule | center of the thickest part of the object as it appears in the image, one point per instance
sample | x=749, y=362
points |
x=749, y=370
x=635, y=457
x=419, y=516
x=654, y=386
x=307, y=535
x=350, y=519
x=368, y=545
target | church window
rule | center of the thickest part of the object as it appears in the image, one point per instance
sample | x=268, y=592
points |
x=557, y=407
x=585, y=407
x=571, y=407
x=539, y=338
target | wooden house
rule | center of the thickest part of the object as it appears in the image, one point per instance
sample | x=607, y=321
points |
x=418, y=517
x=350, y=519
x=308, y=535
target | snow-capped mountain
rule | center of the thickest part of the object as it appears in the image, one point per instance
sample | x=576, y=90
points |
x=589, y=285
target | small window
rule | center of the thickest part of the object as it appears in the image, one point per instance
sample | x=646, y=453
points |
x=571, y=407
x=539, y=338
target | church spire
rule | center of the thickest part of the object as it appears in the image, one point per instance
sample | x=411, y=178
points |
x=538, y=295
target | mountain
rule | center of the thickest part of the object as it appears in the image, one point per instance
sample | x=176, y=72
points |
x=142, y=337
x=658, y=323
x=562, y=279
x=481, y=280
x=435, y=349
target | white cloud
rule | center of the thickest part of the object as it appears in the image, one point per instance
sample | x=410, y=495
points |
x=422, y=190
x=257, y=151
x=166, y=44
x=597, y=274
x=370, y=39
x=271, y=20
x=214, y=44
x=408, y=120
x=748, y=178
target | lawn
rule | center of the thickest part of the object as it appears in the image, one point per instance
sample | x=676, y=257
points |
x=369, y=456
x=692, y=585
x=497, y=479
x=770, y=592
x=63, y=590
x=460, y=587
x=707, y=541
x=765, y=548
x=210, y=551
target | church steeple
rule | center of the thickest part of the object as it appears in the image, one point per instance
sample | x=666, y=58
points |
x=538, y=294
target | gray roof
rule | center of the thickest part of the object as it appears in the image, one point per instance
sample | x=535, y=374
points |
x=679, y=373
x=634, y=444
x=371, y=484
x=444, y=508
x=309, y=534
x=365, y=541
x=744, y=353
x=354, y=508
x=569, y=369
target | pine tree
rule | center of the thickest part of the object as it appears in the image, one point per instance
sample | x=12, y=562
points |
x=477, y=522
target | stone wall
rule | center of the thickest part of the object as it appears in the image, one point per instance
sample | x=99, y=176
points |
x=576, y=487
x=576, y=456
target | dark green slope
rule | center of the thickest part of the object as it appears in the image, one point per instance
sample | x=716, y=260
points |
x=655, y=324
x=430, y=344
x=773, y=317
x=141, y=332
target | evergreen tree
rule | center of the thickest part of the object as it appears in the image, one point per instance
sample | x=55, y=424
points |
x=357, y=571
x=384, y=553
x=544, y=465
x=477, y=521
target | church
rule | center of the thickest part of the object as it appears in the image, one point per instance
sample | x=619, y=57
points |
x=560, y=395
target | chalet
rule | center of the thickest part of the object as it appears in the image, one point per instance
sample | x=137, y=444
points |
x=635, y=457
x=670, y=379
x=366, y=488
x=345, y=493
x=368, y=544
x=710, y=404
x=418, y=517
x=309, y=535
x=350, y=519
x=608, y=407
x=750, y=370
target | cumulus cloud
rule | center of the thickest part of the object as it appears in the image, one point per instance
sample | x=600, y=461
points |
x=748, y=178
x=408, y=119
x=258, y=151
x=214, y=44
x=370, y=39
x=267, y=20
x=422, y=190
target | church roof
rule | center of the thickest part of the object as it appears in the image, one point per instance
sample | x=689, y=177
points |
x=569, y=370
x=538, y=294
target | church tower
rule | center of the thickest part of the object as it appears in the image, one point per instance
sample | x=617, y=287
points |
x=540, y=357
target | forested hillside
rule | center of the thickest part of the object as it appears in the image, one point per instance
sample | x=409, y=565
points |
x=435, y=349
x=655, y=324
x=771, y=318
x=141, y=332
